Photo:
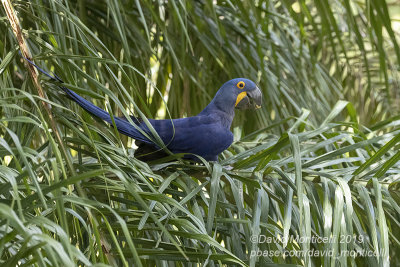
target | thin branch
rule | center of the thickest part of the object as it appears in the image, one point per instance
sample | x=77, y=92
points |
x=14, y=22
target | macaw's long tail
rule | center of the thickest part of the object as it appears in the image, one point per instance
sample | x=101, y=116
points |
x=123, y=126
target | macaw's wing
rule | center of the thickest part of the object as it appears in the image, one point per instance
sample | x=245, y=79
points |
x=201, y=135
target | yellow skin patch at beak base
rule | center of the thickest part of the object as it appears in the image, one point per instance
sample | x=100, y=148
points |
x=240, y=97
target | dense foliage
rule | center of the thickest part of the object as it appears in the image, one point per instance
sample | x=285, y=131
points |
x=318, y=160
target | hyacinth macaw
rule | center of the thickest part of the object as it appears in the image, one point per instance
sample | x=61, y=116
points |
x=206, y=135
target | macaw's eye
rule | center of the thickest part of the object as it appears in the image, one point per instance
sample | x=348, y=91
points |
x=240, y=85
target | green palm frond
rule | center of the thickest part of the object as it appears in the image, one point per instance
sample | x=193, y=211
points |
x=320, y=159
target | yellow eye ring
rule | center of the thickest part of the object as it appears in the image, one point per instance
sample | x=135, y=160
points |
x=240, y=85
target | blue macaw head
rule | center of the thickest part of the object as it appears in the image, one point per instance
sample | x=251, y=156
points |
x=240, y=93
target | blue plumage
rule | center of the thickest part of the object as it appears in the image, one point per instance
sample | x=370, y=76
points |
x=207, y=134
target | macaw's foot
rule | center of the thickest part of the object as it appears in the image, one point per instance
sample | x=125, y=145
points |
x=146, y=152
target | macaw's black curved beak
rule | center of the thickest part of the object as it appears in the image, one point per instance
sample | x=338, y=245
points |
x=249, y=99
